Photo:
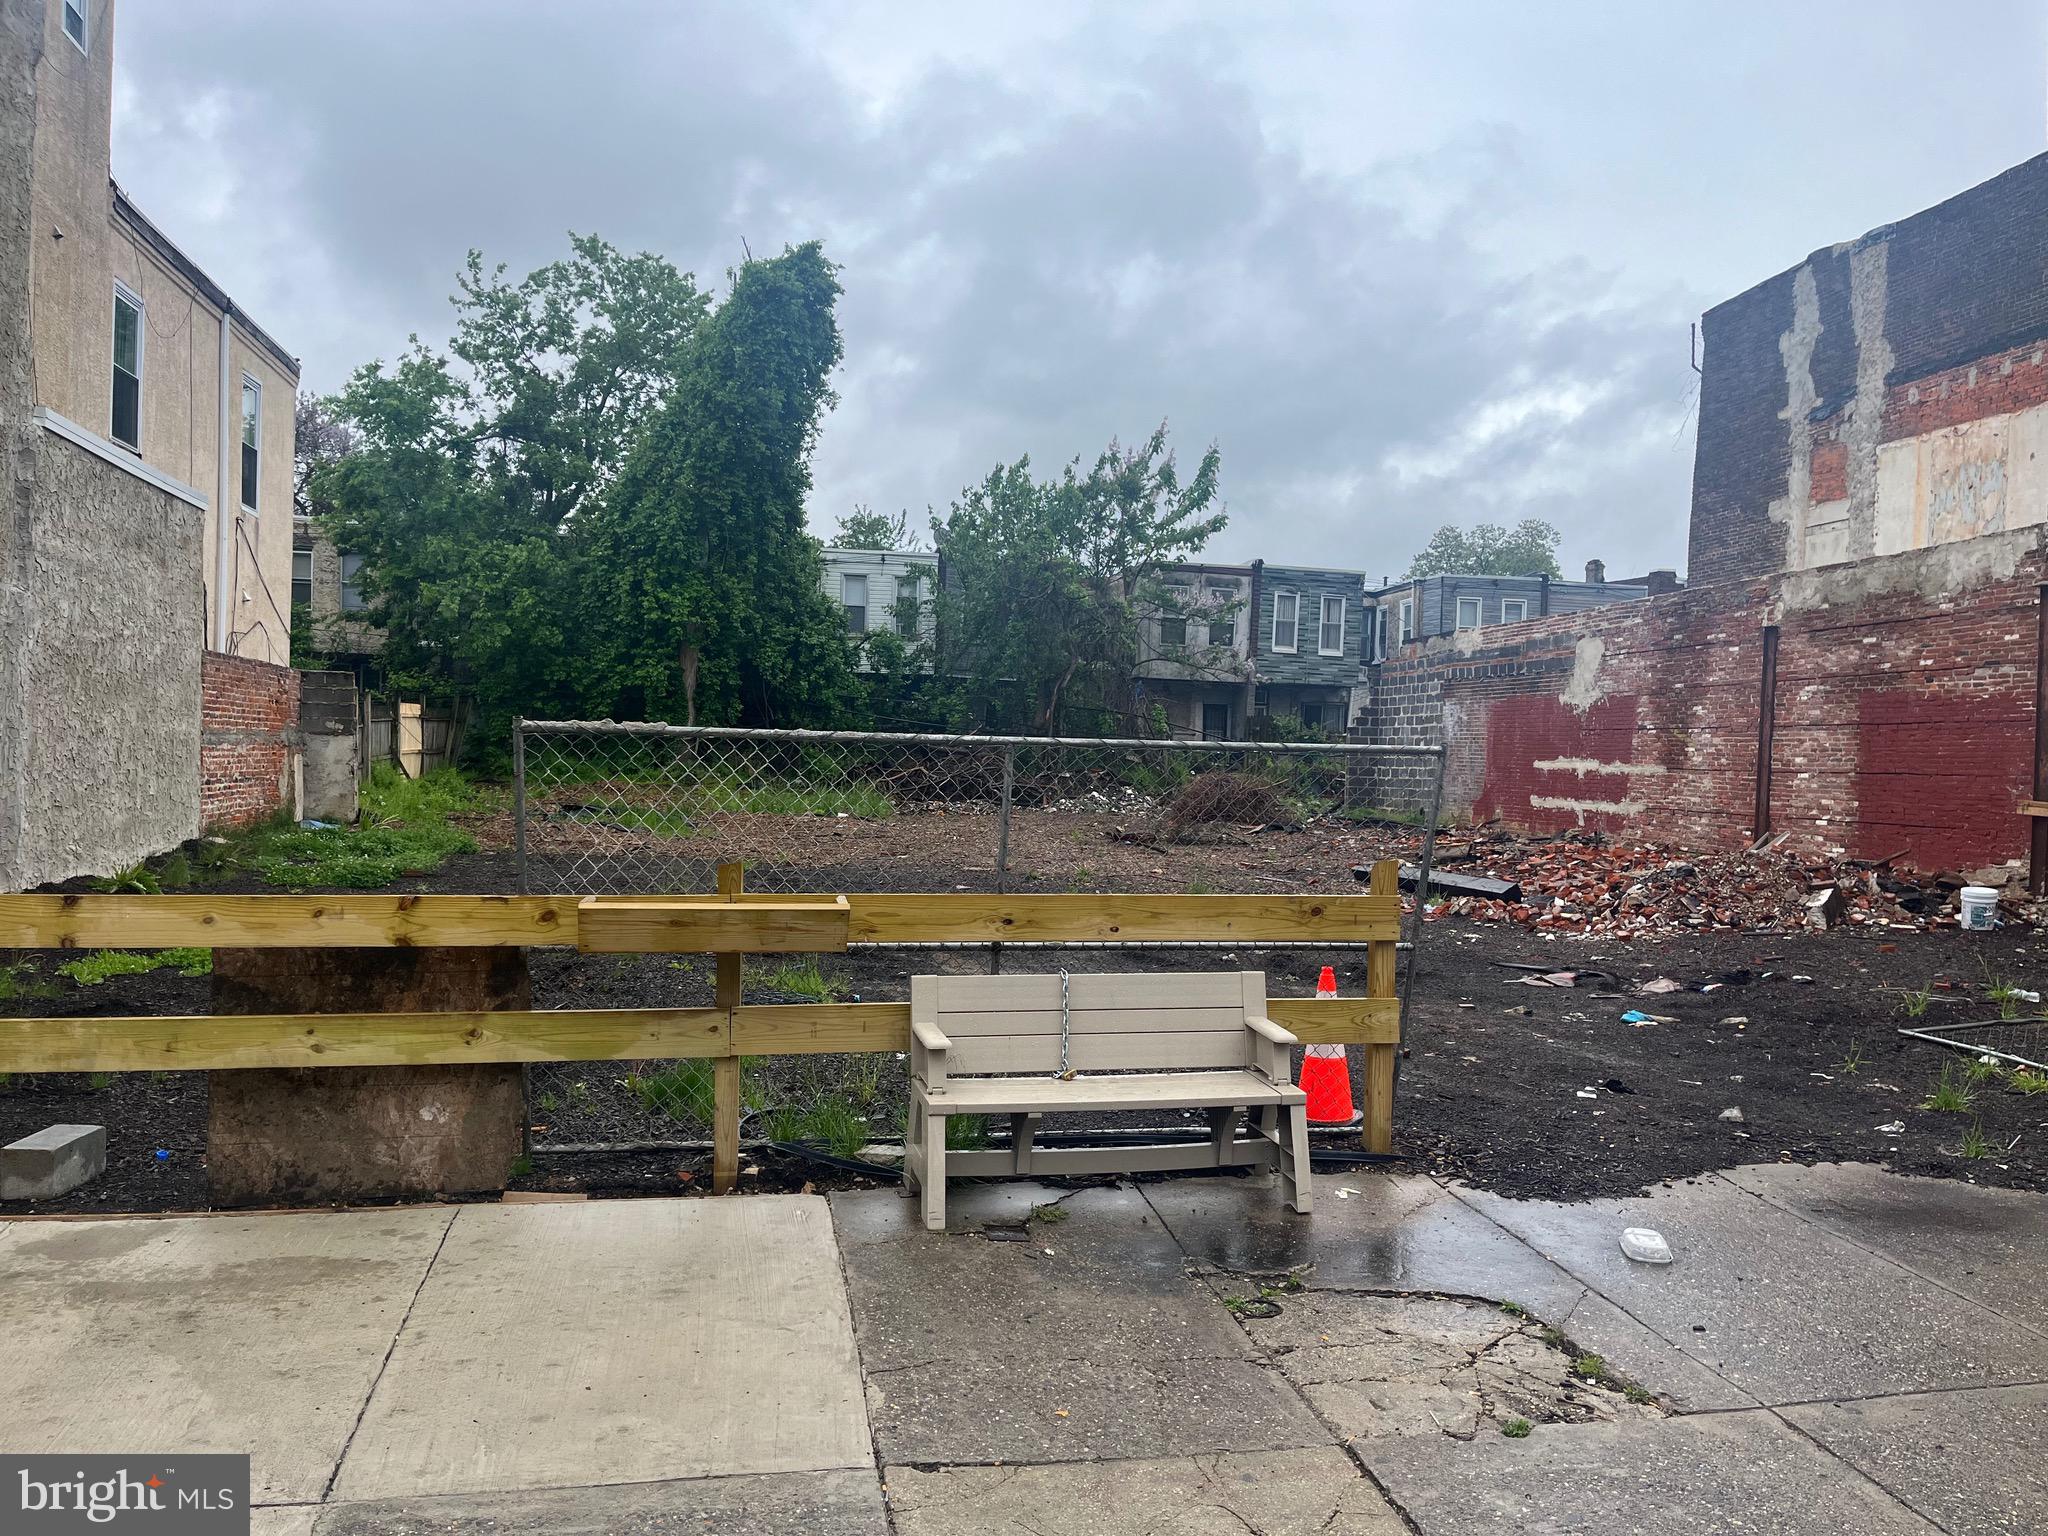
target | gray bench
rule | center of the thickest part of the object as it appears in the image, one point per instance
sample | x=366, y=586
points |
x=992, y=1045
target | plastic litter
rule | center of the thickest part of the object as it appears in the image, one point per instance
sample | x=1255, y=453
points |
x=163, y=1154
x=1645, y=1245
x=1633, y=1017
x=1662, y=984
x=1589, y=1093
x=1733, y=1115
x=1893, y=1128
x=310, y=825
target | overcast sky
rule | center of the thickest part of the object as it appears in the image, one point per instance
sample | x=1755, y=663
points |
x=1405, y=264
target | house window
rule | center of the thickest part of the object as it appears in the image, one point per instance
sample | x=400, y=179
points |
x=1330, y=635
x=302, y=578
x=909, y=606
x=1286, y=621
x=125, y=426
x=1468, y=613
x=1223, y=627
x=252, y=437
x=1312, y=716
x=1215, y=720
x=1407, y=620
x=1173, y=625
x=1513, y=609
x=853, y=597
x=351, y=589
x=1379, y=634
x=74, y=22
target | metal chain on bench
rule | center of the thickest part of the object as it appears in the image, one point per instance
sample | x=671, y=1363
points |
x=1066, y=1070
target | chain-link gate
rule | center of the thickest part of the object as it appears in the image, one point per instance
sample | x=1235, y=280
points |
x=608, y=808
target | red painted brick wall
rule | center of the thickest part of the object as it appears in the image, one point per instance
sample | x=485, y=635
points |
x=1903, y=709
x=248, y=739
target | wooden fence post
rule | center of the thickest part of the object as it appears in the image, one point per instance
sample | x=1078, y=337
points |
x=725, y=1070
x=1380, y=981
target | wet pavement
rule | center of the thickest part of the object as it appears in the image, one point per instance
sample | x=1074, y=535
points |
x=1834, y=1349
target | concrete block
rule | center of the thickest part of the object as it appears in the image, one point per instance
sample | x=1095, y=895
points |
x=53, y=1162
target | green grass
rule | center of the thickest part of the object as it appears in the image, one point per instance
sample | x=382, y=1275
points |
x=136, y=880
x=2027, y=1082
x=1854, y=1062
x=91, y=970
x=800, y=977
x=1914, y=1004
x=405, y=830
x=1514, y=1309
x=682, y=1090
x=1638, y=1394
x=17, y=981
x=830, y=1123
x=1975, y=1143
x=1592, y=1367
x=1980, y=1070
x=966, y=1132
x=2008, y=998
x=1516, y=1429
x=1952, y=1092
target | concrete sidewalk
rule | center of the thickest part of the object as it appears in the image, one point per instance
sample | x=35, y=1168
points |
x=1833, y=1350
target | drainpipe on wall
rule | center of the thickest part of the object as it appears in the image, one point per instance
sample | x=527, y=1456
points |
x=223, y=531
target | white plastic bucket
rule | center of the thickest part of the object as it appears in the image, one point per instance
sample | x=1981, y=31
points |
x=1980, y=906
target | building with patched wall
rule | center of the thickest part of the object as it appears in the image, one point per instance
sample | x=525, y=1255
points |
x=1886, y=394
x=147, y=421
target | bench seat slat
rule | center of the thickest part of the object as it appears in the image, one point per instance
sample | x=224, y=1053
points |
x=1165, y=1090
x=1188, y=989
x=1040, y=1052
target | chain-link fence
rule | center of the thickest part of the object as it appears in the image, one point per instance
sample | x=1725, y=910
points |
x=620, y=809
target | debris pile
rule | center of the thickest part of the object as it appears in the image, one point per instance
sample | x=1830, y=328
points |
x=1584, y=882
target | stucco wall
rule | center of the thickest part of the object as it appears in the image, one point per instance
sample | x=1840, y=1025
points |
x=99, y=672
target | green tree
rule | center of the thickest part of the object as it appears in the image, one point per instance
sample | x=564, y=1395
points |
x=1487, y=549
x=702, y=591
x=466, y=496
x=865, y=528
x=1050, y=574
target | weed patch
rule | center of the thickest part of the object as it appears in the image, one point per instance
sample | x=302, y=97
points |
x=93, y=969
x=405, y=830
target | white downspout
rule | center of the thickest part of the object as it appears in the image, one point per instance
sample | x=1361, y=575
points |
x=223, y=531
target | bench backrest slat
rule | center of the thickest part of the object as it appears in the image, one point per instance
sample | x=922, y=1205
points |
x=1183, y=1021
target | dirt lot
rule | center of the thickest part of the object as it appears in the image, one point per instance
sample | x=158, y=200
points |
x=1493, y=1085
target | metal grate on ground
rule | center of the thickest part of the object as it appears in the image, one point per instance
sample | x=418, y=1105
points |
x=2023, y=1042
x=612, y=808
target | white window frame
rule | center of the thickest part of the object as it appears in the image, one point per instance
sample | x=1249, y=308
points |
x=250, y=486
x=1519, y=604
x=908, y=588
x=1293, y=644
x=299, y=553
x=847, y=608
x=1478, y=613
x=83, y=41
x=1379, y=633
x=123, y=294
x=1406, y=629
x=1323, y=623
x=349, y=582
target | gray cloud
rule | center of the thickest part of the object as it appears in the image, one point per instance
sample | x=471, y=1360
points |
x=1400, y=275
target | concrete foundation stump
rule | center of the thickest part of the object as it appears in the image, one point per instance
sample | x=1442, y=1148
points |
x=326, y=1135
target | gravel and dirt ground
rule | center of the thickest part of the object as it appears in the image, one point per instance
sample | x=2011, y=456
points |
x=1526, y=1091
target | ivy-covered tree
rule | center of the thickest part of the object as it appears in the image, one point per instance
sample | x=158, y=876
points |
x=464, y=490
x=1487, y=549
x=702, y=591
x=1047, y=578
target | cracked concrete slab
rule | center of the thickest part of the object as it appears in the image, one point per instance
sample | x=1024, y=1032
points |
x=847, y=1503
x=618, y=1341
x=246, y=1334
x=1113, y=1287
x=981, y=1409
x=1976, y=1462
x=883, y=1215
x=1389, y=1233
x=1410, y=1365
x=1639, y=1353
x=1272, y=1493
x=1700, y=1476
x=1779, y=1306
x=1989, y=1244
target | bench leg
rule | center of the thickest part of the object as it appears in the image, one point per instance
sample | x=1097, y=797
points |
x=1294, y=1164
x=1023, y=1128
x=912, y=1153
x=933, y=1173
x=1222, y=1132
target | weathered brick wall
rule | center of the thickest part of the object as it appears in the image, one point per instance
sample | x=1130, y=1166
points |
x=1903, y=710
x=248, y=740
x=1914, y=327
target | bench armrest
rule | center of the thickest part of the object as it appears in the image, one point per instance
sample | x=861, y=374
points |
x=930, y=1037
x=1267, y=1030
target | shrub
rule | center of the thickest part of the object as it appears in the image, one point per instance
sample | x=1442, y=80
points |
x=1233, y=799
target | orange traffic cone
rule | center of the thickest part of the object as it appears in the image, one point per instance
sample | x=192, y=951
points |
x=1326, y=1073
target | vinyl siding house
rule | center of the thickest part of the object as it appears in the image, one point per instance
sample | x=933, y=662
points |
x=884, y=589
x=1429, y=607
x=1309, y=658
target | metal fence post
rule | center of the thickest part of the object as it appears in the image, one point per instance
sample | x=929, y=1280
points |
x=519, y=805
x=995, y=951
x=1436, y=805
